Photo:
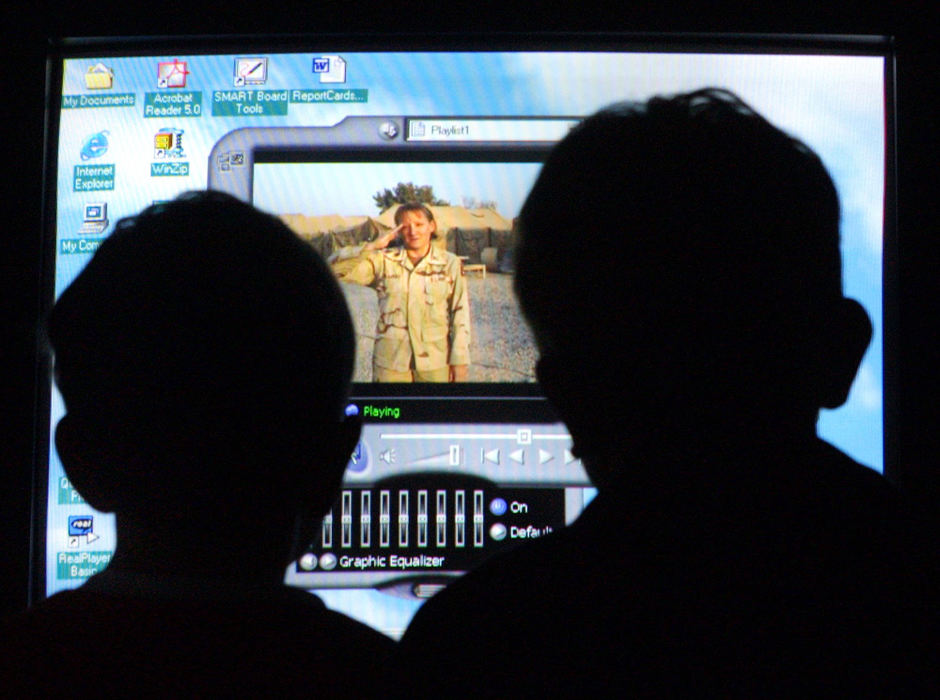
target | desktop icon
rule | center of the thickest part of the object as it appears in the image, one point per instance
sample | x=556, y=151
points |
x=172, y=74
x=95, y=146
x=331, y=69
x=251, y=71
x=95, y=218
x=99, y=77
x=168, y=143
x=81, y=526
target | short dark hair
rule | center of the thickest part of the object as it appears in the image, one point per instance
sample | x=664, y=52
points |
x=691, y=208
x=204, y=325
x=413, y=206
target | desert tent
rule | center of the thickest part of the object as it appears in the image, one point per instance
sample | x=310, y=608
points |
x=332, y=232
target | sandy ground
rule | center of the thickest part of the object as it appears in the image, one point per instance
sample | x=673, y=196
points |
x=501, y=347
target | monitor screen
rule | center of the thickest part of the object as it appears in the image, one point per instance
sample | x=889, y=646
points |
x=332, y=138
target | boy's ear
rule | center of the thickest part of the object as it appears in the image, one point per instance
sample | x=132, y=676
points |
x=848, y=334
x=89, y=461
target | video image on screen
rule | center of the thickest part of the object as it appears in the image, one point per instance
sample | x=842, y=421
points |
x=341, y=208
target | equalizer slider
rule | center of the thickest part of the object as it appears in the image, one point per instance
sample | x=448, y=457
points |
x=403, y=519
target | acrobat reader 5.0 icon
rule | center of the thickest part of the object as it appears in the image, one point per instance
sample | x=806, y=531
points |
x=171, y=74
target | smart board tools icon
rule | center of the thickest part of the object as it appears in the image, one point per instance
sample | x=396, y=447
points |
x=250, y=71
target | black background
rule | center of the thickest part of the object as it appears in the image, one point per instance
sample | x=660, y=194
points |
x=27, y=26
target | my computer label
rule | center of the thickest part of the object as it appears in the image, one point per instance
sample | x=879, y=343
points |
x=69, y=246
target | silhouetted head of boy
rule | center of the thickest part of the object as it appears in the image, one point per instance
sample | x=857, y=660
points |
x=680, y=268
x=204, y=356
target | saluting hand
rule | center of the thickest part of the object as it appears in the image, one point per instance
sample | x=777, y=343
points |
x=385, y=239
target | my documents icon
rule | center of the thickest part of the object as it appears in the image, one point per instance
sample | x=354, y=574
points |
x=331, y=69
x=99, y=77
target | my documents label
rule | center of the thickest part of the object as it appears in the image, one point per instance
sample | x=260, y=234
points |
x=126, y=99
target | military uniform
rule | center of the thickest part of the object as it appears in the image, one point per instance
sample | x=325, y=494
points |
x=424, y=313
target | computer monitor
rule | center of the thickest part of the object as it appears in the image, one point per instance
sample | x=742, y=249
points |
x=330, y=136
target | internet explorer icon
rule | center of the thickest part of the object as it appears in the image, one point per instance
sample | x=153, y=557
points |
x=94, y=146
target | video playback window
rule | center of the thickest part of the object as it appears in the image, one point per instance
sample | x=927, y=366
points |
x=417, y=320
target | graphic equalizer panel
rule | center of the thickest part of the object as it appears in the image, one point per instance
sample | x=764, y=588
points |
x=422, y=503
x=427, y=528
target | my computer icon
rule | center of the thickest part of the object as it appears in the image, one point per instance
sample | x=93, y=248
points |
x=95, y=218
